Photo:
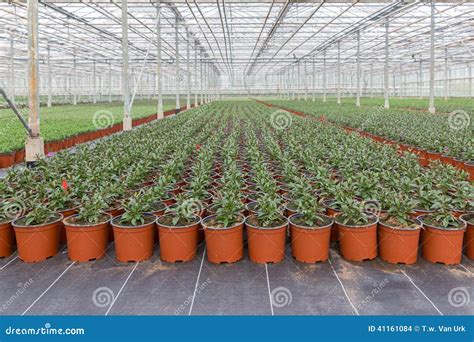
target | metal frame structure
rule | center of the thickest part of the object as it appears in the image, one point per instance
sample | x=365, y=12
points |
x=81, y=50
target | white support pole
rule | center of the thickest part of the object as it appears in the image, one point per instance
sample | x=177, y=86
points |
x=195, y=76
x=420, y=80
x=74, y=78
x=50, y=77
x=470, y=80
x=305, y=81
x=94, y=82
x=298, y=77
x=445, y=74
x=313, y=80
x=386, y=76
x=188, y=73
x=12, y=69
x=110, y=82
x=159, y=71
x=176, y=36
x=324, y=76
x=338, y=90
x=201, y=80
x=127, y=118
x=34, y=146
x=358, y=70
x=400, y=91
x=371, y=80
x=431, y=107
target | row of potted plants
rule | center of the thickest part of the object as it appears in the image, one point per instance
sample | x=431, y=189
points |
x=433, y=137
x=236, y=170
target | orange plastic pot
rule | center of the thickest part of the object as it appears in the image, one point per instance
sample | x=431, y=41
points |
x=134, y=243
x=62, y=231
x=86, y=242
x=114, y=212
x=468, y=241
x=7, y=239
x=178, y=244
x=7, y=159
x=266, y=244
x=442, y=245
x=358, y=243
x=224, y=245
x=332, y=213
x=310, y=244
x=37, y=243
x=398, y=245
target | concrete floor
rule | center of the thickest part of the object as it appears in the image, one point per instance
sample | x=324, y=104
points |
x=338, y=287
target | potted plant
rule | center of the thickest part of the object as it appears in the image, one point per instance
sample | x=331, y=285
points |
x=62, y=200
x=469, y=235
x=178, y=232
x=310, y=230
x=398, y=232
x=7, y=235
x=37, y=233
x=134, y=231
x=443, y=233
x=357, y=231
x=225, y=231
x=87, y=232
x=267, y=231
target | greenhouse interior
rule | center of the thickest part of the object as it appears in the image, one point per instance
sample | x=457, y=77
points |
x=274, y=158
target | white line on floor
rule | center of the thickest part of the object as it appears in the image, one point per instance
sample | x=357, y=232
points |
x=269, y=291
x=464, y=267
x=429, y=300
x=8, y=263
x=197, y=282
x=121, y=289
x=343, y=289
x=49, y=287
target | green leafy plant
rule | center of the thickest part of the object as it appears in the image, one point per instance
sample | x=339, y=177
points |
x=135, y=209
x=38, y=215
x=91, y=210
x=269, y=210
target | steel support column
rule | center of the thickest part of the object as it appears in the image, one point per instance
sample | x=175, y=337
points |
x=338, y=86
x=127, y=118
x=386, y=76
x=358, y=70
x=188, y=73
x=34, y=146
x=431, y=107
x=176, y=36
x=50, y=76
x=159, y=71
